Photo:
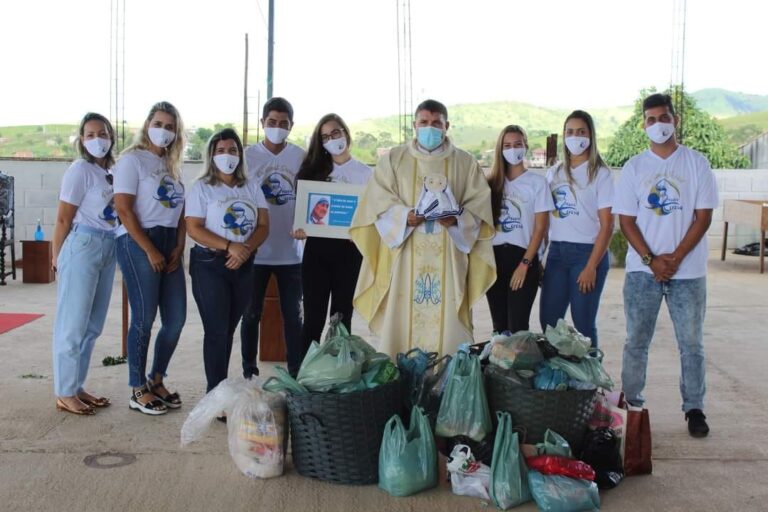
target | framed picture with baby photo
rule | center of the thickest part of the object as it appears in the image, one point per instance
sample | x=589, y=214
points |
x=325, y=209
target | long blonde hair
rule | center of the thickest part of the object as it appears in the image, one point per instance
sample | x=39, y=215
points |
x=175, y=150
x=210, y=175
x=499, y=168
x=595, y=160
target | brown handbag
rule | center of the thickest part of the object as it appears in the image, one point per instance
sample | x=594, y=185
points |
x=637, y=448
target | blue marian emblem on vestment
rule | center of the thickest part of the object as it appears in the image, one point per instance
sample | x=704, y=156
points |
x=427, y=289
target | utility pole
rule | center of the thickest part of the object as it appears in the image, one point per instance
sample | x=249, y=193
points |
x=270, y=47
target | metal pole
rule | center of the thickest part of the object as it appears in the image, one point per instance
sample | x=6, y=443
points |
x=270, y=47
x=245, y=96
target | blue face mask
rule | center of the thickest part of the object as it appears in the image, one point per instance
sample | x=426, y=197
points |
x=428, y=137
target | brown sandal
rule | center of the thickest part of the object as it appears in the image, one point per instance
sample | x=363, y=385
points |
x=62, y=406
x=96, y=401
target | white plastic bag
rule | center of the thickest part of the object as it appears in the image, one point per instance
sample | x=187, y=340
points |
x=257, y=433
x=256, y=423
x=468, y=477
x=219, y=400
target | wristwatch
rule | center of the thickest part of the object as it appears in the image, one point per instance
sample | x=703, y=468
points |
x=646, y=259
x=526, y=262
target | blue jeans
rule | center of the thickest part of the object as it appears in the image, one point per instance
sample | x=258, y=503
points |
x=148, y=291
x=289, y=288
x=559, y=288
x=686, y=302
x=221, y=295
x=86, y=268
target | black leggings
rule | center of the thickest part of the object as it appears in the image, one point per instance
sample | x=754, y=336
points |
x=329, y=270
x=511, y=310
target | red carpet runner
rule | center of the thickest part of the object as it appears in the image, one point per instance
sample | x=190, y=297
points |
x=10, y=321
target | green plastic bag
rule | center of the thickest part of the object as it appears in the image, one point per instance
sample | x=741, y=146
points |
x=567, y=340
x=408, y=458
x=509, y=474
x=336, y=365
x=464, y=408
x=554, y=444
x=380, y=373
x=282, y=381
x=589, y=369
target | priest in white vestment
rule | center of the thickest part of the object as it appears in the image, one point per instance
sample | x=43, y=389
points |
x=420, y=277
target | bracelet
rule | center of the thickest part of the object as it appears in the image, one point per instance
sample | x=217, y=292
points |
x=229, y=242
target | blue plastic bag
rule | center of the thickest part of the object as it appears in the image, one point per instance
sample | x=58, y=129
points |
x=407, y=458
x=555, y=493
x=550, y=379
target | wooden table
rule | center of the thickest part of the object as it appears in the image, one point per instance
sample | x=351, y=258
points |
x=36, y=258
x=752, y=213
x=271, y=335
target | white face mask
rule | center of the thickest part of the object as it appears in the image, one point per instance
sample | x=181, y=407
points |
x=660, y=132
x=514, y=156
x=226, y=163
x=577, y=145
x=160, y=137
x=276, y=135
x=336, y=146
x=97, y=147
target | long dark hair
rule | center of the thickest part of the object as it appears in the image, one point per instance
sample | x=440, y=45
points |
x=318, y=164
x=497, y=176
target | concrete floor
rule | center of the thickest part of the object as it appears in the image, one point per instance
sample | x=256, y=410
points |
x=43, y=451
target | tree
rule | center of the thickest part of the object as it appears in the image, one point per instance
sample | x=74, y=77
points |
x=700, y=131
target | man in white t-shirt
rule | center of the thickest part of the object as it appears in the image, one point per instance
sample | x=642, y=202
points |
x=664, y=198
x=273, y=164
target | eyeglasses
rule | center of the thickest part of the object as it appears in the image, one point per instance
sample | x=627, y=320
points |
x=109, y=178
x=335, y=134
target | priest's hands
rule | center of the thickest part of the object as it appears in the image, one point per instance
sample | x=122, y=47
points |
x=414, y=220
x=448, y=221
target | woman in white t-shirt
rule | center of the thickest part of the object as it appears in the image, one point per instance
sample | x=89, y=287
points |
x=521, y=203
x=84, y=256
x=149, y=196
x=579, y=230
x=227, y=216
x=330, y=266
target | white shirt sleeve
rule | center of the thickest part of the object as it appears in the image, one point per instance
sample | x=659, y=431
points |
x=73, y=185
x=625, y=199
x=604, y=188
x=196, y=205
x=126, y=172
x=393, y=227
x=464, y=234
x=543, y=201
x=706, y=195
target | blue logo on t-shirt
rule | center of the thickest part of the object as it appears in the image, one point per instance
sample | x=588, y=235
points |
x=510, y=217
x=167, y=194
x=239, y=218
x=277, y=188
x=664, y=197
x=108, y=214
x=565, y=201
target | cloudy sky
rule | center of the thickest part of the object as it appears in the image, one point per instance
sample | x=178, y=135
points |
x=341, y=55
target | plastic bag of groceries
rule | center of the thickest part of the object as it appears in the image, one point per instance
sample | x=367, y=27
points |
x=468, y=476
x=257, y=433
x=518, y=351
x=464, y=406
x=408, y=456
x=567, y=340
x=554, y=493
x=256, y=423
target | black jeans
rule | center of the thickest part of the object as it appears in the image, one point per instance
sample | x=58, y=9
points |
x=511, y=310
x=289, y=289
x=330, y=270
x=221, y=295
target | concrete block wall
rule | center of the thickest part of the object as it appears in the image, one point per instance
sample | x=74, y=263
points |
x=38, y=183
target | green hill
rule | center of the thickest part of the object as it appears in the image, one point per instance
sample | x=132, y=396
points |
x=741, y=129
x=722, y=103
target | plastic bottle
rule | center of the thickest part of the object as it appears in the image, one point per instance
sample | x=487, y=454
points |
x=39, y=235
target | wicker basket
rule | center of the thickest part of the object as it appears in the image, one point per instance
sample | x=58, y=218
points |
x=336, y=436
x=565, y=412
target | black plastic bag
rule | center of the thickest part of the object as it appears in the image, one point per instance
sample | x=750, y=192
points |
x=601, y=450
